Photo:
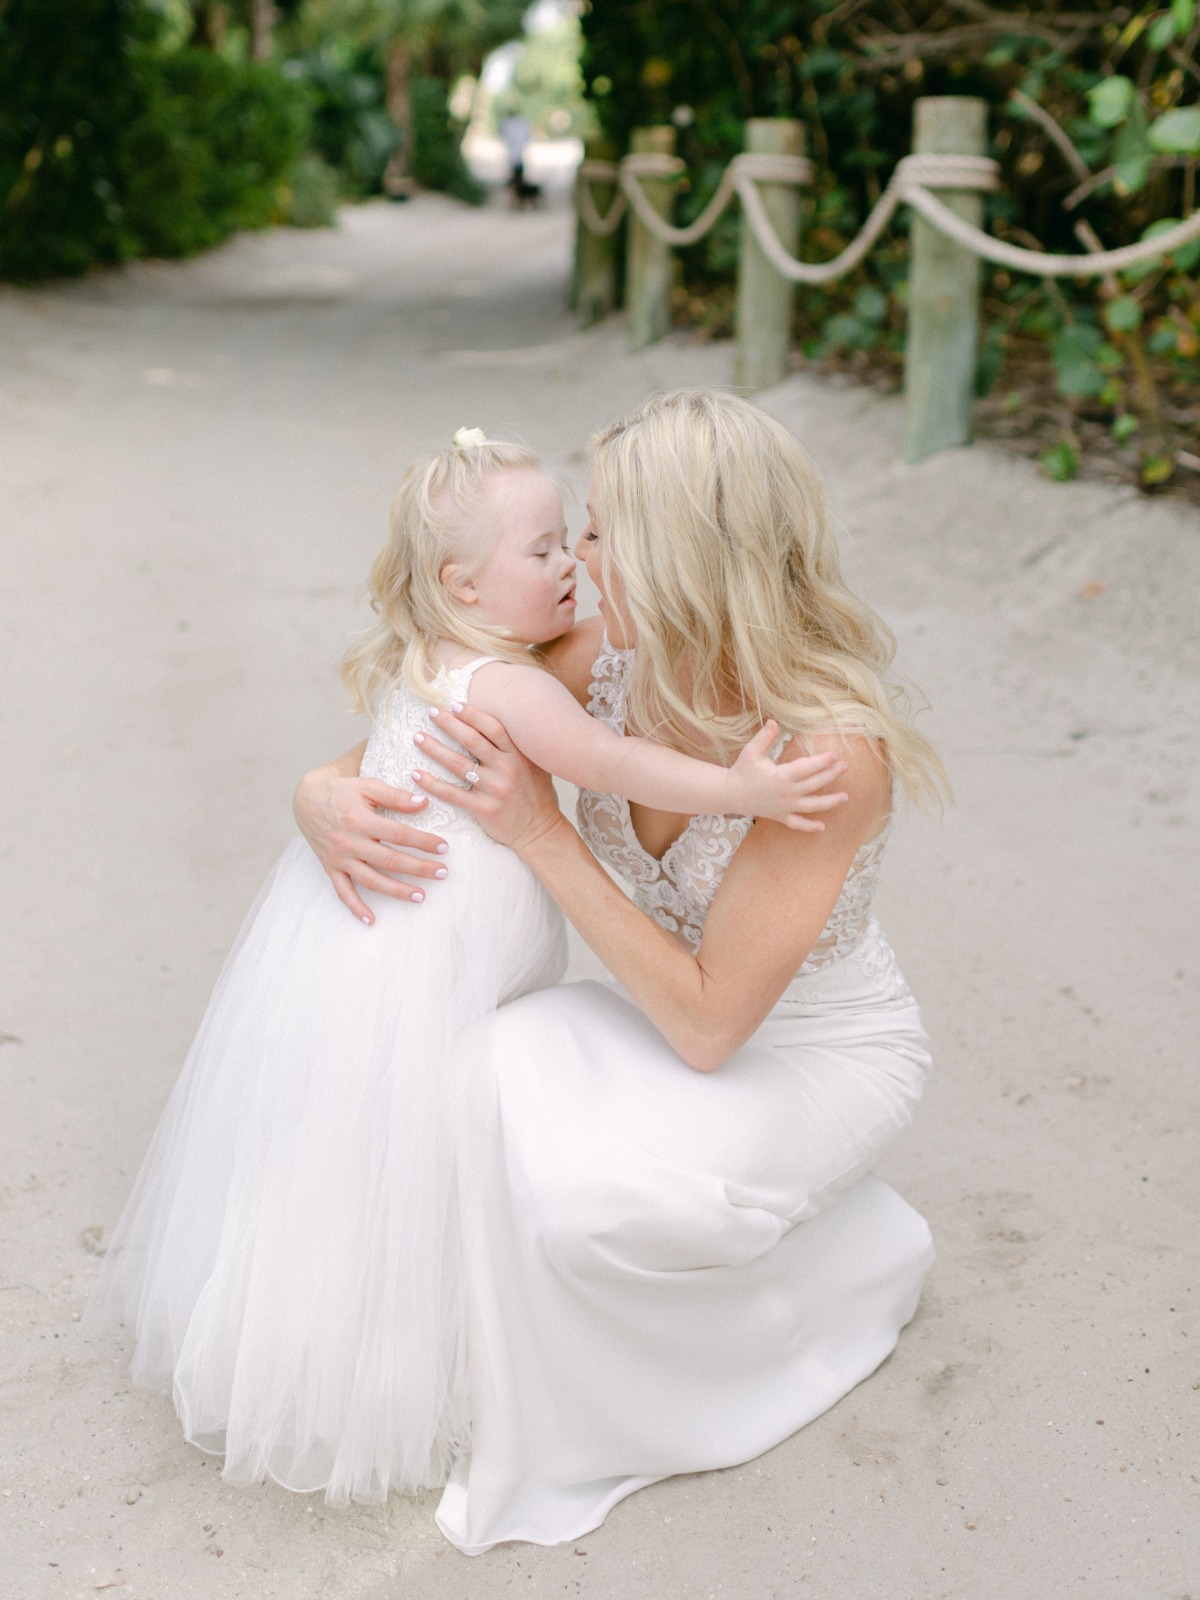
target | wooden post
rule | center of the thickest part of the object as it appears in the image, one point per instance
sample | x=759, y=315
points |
x=764, y=299
x=650, y=266
x=943, y=290
x=594, y=288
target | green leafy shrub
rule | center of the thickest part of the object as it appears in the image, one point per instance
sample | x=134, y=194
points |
x=311, y=193
x=437, y=159
x=113, y=145
x=211, y=152
x=69, y=86
x=351, y=130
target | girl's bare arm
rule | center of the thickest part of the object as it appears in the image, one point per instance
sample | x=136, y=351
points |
x=773, y=902
x=549, y=726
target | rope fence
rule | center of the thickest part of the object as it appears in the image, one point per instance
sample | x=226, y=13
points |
x=945, y=263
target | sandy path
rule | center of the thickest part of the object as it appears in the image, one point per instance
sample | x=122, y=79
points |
x=194, y=473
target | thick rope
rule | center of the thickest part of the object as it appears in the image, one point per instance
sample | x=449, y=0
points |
x=911, y=184
x=973, y=173
x=747, y=167
x=1048, y=266
x=590, y=172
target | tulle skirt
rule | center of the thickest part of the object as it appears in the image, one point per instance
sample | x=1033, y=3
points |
x=290, y=1259
x=671, y=1272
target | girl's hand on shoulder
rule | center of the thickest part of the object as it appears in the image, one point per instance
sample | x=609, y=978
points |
x=342, y=817
x=512, y=799
x=791, y=792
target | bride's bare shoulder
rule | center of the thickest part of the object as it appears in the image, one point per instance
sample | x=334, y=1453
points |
x=571, y=657
x=867, y=778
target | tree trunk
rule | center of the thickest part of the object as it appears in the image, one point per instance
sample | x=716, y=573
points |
x=210, y=19
x=396, y=178
x=262, y=29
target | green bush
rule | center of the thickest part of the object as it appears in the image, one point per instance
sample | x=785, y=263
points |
x=211, y=152
x=351, y=130
x=311, y=193
x=112, y=145
x=437, y=159
x=69, y=86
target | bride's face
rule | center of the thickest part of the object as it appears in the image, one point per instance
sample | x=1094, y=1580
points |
x=617, y=624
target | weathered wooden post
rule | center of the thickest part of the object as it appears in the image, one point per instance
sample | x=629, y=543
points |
x=764, y=300
x=943, y=290
x=594, y=287
x=649, y=265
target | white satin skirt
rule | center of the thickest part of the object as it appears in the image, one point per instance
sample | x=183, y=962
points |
x=667, y=1271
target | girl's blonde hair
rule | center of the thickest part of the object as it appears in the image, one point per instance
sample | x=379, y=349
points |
x=715, y=530
x=427, y=528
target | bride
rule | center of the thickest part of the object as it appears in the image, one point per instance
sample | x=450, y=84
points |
x=677, y=1254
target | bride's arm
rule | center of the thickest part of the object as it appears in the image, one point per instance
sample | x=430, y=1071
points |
x=341, y=816
x=773, y=902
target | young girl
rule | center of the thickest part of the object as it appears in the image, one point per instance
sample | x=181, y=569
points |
x=289, y=1258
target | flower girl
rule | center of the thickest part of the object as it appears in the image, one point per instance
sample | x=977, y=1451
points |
x=288, y=1259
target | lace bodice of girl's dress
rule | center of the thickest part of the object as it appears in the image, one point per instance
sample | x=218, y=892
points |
x=678, y=890
x=392, y=757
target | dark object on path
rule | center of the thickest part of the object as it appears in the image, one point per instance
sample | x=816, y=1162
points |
x=525, y=196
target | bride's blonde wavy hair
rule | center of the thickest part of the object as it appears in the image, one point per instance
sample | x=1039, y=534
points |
x=715, y=531
x=427, y=528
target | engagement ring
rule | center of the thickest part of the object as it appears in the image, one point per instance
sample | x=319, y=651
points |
x=472, y=778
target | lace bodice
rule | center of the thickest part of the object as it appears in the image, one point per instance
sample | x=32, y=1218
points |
x=678, y=890
x=392, y=756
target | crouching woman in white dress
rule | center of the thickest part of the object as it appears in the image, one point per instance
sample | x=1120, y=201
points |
x=677, y=1254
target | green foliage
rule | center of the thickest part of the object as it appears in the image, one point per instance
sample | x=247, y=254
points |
x=1094, y=116
x=1080, y=354
x=1110, y=101
x=351, y=130
x=1177, y=132
x=437, y=161
x=1123, y=314
x=443, y=38
x=547, y=86
x=346, y=51
x=1061, y=462
x=112, y=145
x=311, y=193
x=211, y=152
x=118, y=137
x=69, y=85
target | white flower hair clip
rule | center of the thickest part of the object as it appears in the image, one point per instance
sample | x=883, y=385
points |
x=465, y=437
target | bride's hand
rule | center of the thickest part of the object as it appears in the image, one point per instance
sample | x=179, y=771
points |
x=785, y=791
x=511, y=799
x=341, y=817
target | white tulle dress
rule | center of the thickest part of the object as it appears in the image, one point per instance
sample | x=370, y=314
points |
x=290, y=1258
x=670, y=1272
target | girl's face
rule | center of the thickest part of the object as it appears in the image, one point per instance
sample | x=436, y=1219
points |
x=526, y=583
x=617, y=624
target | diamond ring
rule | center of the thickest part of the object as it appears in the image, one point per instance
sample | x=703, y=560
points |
x=471, y=778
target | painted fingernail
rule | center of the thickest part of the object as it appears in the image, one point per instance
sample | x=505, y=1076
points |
x=442, y=848
x=418, y=738
x=435, y=712
x=458, y=706
x=417, y=896
x=440, y=873
x=419, y=777
x=367, y=920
